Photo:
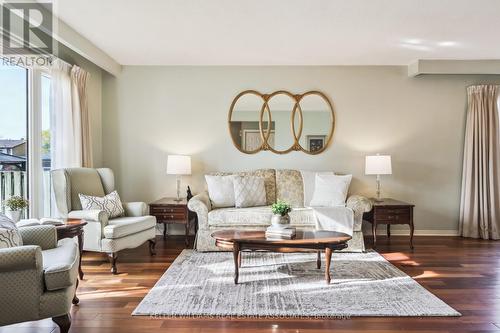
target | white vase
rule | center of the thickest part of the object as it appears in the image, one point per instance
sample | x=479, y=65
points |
x=279, y=221
x=14, y=215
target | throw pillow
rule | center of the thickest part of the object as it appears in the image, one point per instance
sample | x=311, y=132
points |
x=330, y=190
x=249, y=191
x=309, y=180
x=9, y=235
x=110, y=203
x=220, y=190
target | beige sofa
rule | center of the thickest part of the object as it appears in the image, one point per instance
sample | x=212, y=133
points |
x=280, y=184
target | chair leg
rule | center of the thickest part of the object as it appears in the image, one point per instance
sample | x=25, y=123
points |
x=152, y=244
x=76, y=300
x=112, y=258
x=64, y=322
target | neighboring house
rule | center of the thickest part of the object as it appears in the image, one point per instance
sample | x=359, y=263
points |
x=13, y=147
x=12, y=162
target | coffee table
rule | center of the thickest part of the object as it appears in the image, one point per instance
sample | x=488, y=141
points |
x=239, y=240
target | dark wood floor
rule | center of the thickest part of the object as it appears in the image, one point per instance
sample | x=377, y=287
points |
x=464, y=273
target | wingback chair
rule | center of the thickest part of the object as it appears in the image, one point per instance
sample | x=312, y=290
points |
x=102, y=234
x=38, y=280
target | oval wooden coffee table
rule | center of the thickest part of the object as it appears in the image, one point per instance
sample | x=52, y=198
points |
x=239, y=240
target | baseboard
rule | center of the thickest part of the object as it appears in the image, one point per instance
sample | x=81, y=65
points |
x=179, y=230
x=418, y=232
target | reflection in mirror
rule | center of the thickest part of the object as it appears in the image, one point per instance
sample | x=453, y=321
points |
x=281, y=105
x=317, y=124
x=244, y=122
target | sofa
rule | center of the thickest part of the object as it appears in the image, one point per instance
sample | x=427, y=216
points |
x=285, y=185
x=38, y=279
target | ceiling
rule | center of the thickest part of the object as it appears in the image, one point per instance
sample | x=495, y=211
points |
x=286, y=32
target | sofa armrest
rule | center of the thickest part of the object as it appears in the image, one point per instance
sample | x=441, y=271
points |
x=359, y=204
x=44, y=236
x=200, y=204
x=20, y=258
x=93, y=215
x=135, y=209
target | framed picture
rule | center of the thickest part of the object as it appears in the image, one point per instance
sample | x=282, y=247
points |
x=315, y=142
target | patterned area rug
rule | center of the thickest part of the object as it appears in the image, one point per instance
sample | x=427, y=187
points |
x=288, y=285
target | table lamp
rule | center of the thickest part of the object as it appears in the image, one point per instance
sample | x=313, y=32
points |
x=378, y=165
x=178, y=165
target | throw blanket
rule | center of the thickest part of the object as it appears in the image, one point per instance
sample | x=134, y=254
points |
x=336, y=218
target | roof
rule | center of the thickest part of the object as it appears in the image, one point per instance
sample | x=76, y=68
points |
x=9, y=143
x=9, y=159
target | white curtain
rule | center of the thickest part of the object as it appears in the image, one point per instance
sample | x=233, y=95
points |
x=68, y=93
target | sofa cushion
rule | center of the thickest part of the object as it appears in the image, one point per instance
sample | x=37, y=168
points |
x=60, y=265
x=256, y=216
x=249, y=191
x=123, y=226
x=269, y=176
x=289, y=187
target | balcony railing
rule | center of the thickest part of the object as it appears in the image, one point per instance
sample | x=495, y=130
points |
x=16, y=183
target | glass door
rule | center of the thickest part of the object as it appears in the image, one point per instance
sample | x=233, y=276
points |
x=14, y=161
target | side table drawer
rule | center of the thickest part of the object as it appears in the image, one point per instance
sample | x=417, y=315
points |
x=396, y=219
x=158, y=210
x=170, y=217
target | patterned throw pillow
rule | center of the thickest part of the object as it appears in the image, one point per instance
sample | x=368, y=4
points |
x=110, y=203
x=249, y=191
x=9, y=236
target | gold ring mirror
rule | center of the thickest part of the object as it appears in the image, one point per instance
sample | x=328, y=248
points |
x=281, y=122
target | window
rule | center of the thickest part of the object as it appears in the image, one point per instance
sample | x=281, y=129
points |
x=25, y=118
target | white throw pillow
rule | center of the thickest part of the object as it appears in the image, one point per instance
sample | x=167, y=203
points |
x=309, y=179
x=220, y=190
x=249, y=191
x=110, y=203
x=330, y=190
x=9, y=235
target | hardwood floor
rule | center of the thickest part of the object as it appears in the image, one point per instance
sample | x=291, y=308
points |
x=464, y=273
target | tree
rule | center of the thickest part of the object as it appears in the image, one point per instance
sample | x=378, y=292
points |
x=45, y=142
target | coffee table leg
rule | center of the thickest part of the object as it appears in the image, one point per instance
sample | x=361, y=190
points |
x=328, y=257
x=236, y=256
x=318, y=260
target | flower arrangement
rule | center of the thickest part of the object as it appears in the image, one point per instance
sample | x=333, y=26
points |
x=16, y=203
x=281, y=208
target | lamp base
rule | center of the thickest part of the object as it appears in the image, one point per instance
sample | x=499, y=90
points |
x=378, y=199
x=178, y=199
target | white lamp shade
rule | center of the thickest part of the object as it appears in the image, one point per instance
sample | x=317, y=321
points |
x=179, y=165
x=378, y=165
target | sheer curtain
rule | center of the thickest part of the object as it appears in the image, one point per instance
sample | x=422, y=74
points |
x=70, y=140
x=480, y=199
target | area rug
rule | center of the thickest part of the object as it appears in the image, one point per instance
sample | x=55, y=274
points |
x=288, y=285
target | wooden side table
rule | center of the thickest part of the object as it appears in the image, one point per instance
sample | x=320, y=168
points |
x=73, y=228
x=169, y=211
x=390, y=211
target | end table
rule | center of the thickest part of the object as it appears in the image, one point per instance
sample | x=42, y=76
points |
x=390, y=211
x=73, y=228
x=170, y=211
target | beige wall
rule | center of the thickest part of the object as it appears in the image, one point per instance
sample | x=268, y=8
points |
x=150, y=112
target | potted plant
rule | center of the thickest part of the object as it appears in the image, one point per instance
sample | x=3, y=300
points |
x=15, y=206
x=280, y=210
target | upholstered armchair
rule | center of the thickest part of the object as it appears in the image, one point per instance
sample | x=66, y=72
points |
x=102, y=234
x=38, y=280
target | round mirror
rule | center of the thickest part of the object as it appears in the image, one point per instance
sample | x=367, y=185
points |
x=281, y=137
x=245, y=123
x=318, y=122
